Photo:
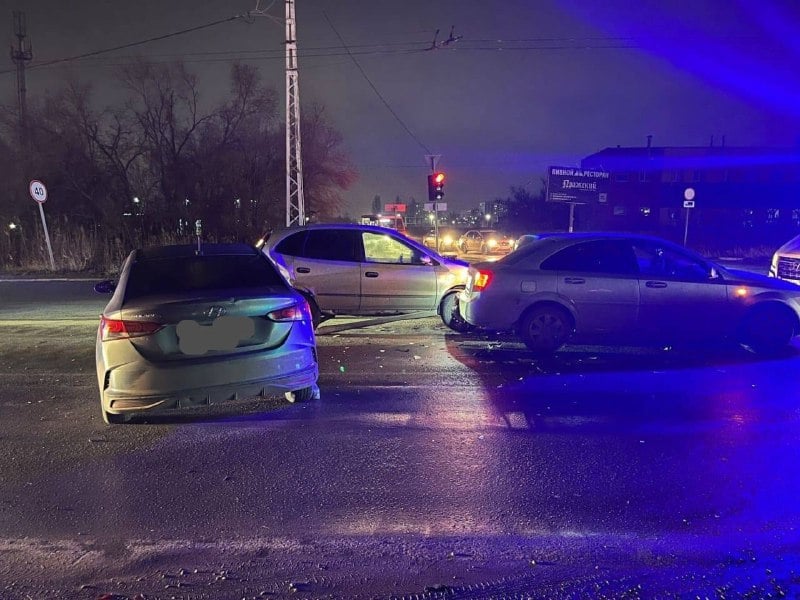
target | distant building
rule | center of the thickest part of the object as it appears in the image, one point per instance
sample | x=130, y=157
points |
x=747, y=195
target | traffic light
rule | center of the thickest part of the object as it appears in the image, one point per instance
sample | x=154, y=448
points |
x=435, y=186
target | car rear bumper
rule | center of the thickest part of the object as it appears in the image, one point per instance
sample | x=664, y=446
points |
x=482, y=314
x=142, y=386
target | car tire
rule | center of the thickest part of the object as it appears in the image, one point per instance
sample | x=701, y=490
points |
x=768, y=329
x=302, y=395
x=448, y=311
x=544, y=329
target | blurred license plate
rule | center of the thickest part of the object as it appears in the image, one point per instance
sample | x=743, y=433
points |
x=225, y=333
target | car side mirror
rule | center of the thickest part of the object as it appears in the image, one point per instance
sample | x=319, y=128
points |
x=105, y=287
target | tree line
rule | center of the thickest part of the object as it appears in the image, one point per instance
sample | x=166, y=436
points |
x=145, y=168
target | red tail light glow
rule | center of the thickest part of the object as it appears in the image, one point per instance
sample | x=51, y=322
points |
x=115, y=329
x=296, y=312
x=481, y=281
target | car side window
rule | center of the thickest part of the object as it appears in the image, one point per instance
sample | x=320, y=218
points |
x=601, y=256
x=331, y=244
x=382, y=248
x=292, y=245
x=657, y=260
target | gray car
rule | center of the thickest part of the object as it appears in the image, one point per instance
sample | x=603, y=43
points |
x=186, y=328
x=618, y=288
x=346, y=269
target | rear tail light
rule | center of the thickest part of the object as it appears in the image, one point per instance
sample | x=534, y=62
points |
x=296, y=312
x=116, y=329
x=481, y=280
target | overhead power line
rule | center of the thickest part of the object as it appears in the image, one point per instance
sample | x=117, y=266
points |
x=532, y=44
x=130, y=45
x=374, y=89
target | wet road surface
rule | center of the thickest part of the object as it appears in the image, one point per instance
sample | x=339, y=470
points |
x=435, y=465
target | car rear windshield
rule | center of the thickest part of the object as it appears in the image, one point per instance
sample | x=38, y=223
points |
x=200, y=274
x=525, y=251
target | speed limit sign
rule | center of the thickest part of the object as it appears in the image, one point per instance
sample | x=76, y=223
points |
x=38, y=191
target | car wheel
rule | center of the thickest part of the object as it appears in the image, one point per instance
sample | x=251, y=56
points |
x=302, y=395
x=768, y=329
x=545, y=329
x=448, y=311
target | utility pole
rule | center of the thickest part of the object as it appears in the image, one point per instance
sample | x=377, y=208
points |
x=295, y=210
x=20, y=55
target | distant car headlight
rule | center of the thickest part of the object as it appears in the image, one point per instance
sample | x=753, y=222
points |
x=447, y=240
x=491, y=243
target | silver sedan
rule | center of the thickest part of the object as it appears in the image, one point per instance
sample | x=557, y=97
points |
x=617, y=288
x=346, y=269
x=186, y=328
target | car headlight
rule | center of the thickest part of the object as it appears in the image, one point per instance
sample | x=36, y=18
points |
x=491, y=243
x=447, y=240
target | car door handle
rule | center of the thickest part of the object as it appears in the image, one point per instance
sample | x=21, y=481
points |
x=371, y=274
x=656, y=284
x=303, y=270
x=574, y=280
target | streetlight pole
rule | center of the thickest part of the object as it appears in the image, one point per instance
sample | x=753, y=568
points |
x=139, y=210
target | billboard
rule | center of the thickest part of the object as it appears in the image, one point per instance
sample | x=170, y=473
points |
x=580, y=186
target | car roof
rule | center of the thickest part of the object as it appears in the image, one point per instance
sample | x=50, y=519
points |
x=279, y=234
x=599, y=235
x=187, y=250
x=311, y=226
x=548, y=242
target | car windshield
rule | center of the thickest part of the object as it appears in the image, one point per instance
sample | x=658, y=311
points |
x=161, y=276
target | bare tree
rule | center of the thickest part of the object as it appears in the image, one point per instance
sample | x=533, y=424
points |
x=183, y=159
x=327, y=169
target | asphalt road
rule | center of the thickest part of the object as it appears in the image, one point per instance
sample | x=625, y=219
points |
x=434, y=465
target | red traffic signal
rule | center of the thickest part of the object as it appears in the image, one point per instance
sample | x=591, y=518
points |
x=435, y=186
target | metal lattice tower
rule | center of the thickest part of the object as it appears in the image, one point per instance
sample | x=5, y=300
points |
x=20, y=55
x=295, y=211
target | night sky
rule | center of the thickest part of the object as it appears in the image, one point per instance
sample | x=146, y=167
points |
x=531, y=83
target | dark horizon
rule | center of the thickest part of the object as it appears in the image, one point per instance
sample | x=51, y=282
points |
x=533, y=85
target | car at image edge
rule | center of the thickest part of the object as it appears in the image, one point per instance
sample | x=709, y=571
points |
x=185, y=329
x=626, y=288
x=348, y=269
x=785, y=262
